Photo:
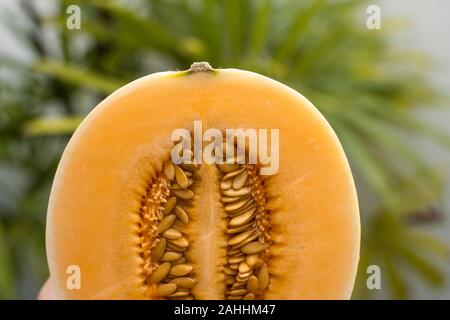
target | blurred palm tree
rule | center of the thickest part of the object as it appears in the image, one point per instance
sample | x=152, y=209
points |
x=367, y=89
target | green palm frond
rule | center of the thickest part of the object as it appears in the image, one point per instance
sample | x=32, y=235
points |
x=400, y=250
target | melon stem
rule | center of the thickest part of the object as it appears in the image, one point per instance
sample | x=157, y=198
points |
x=200, y=67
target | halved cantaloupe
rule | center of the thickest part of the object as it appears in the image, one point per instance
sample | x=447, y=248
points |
x=125, y=222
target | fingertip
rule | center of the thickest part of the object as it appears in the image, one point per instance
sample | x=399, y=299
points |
x=47, y=292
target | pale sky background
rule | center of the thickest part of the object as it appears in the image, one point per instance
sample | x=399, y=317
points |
x=428, y=30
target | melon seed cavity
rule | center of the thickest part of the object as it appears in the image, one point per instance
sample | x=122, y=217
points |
x=164, y=242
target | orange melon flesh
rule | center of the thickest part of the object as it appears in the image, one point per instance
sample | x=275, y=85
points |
x=93, y=217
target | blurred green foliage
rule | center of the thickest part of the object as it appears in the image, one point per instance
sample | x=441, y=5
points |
x=364, y=86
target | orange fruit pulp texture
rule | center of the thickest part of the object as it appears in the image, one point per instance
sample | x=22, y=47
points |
x=111, y=190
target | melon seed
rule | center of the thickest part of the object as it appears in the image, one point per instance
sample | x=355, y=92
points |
x=253, y=284
x=236, y=193
x=179, y=294
x=169, y=170
x=185, y=194
x=171, y=201
x=255, y=234
x=172, y=234
x=230, y=199
x=233, y=174
x=244, y=267
x=240, y=228
x=225, y=167
x=165, y=289
x=236, y=205
x=242, y=218
x=181, y=177
x=249, y=296
x=160, y=273
x=170, y=256
x=251, y=259
x=235, y=259
x=263, y=277
x=173, y=247
x=182, y=215
x=179, y=261
x=226, y=184
x=180, y=270
x=158, y=250
x=183, y=282
x=166, y=223
x=238, y=292
x=181, y=242
x=239, y=181
x=254, y=247
x=239, y=237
